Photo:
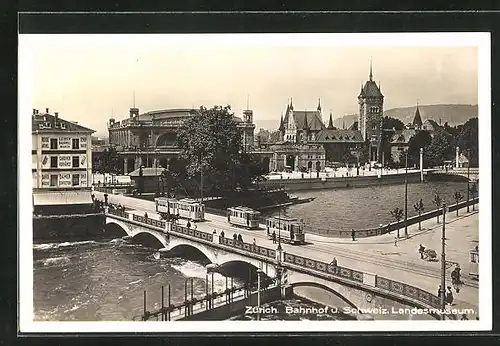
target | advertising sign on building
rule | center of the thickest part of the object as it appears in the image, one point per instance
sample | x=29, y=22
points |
x=83, y=179
x=64, y=161
x=45, y=143
x=64, y=143
x=83, y=142
x=45, y=180
x=64, y=179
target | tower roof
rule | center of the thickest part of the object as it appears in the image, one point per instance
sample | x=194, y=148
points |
x=319, y=105
x=282, y=125
x=417, y=120
x=330, y=122
x=370, y=89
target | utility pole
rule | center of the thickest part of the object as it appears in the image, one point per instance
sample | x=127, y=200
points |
x=259, y=271
x=468, y=177
x=406, y=195
x=443, y=262
x=201, y=179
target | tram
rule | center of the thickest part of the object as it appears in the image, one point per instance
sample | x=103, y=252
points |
x=474, y=262
x=186, y=208
x=243, y=216
x=289, y=230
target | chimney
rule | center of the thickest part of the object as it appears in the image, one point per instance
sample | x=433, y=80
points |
x=56, y=114
x=46, y=110
x=34, y=111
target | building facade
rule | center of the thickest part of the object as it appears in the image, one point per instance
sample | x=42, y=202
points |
x=61, y=153
x=308, y=144
x=149, y=139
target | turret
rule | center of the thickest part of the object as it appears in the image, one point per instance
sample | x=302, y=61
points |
x=330, y=122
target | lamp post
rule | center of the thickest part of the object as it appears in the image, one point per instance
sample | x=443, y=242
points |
x=468, y=177
x=406, y=193
x=443, y=262
x=259, y=271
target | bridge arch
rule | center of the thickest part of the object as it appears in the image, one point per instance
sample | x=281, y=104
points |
x=189, y=251
x=322, y=287
x=149, y=239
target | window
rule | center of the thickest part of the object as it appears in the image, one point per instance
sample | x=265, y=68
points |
x=374, y=126
x=76, y=161
x=53, y=180
x=53, y=143
x=53, y=162
x=76, y=143
x=76, y=179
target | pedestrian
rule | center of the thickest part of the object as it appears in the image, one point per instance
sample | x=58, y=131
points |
x=464, y=317
x=439, y=291
x=353, y=235
x=449, y=296
x=254, y=242
x=188, y=225
x=221, y=234
x=396, y=241
x=240, y=238
x=274, y=237
x=334, y=262
x=235, y=237
x=145, y=215
x=421, y=249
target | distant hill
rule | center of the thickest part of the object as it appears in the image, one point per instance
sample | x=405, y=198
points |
x=452, y=114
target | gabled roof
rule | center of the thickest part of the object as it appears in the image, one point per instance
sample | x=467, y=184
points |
x=339, y=136
x=370, y=90
x=432, y=123
x=313, y=120
x=63, y=127
x=354, y=126
x=403, y=136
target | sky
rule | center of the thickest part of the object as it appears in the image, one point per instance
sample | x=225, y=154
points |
x=90, y=78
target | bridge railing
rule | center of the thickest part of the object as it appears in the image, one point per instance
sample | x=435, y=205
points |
x=148, y=221
x=118, y=213
x=324, y=267
x=358, y=276
x=192, y=232
x=259, y=250
x=407, y=291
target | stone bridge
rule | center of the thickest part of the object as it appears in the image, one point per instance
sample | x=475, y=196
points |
x=334, y=286
x=472, y=173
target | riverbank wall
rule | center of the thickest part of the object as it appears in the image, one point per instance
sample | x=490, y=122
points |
x=340, y=182
x=370, y=232
x=74, y=227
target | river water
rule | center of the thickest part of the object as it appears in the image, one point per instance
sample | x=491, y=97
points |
x=104, y=280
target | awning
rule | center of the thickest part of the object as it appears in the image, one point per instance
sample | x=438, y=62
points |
x=62, y=197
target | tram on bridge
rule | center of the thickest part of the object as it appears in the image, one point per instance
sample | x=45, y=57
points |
x=186, y=208
x=243, y=216
x=289, y=230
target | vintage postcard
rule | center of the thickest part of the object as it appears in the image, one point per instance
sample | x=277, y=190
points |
x=278, y=182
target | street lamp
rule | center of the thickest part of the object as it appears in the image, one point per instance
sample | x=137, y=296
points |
x=468, y=178
x=443, y=262
x=259, y=272
x=406, y=193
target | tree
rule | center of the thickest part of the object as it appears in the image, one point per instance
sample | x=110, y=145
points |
x=473, y=192
x=457, y=196
x=212, y=141
x=419, y=208
x=421, y=139
x=107, y=162
x=440, y=149
x=437, y=201
x=389, y=127
x=397, y=214
x=468, y=139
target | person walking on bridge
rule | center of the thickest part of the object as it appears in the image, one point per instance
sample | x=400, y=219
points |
x=421, y=250
x=240, y=238
x=274, y=237
x=221, y=233
x=353, y=235
x=235, y=237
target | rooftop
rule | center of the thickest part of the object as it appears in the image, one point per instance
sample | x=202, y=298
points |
x=45, y=122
